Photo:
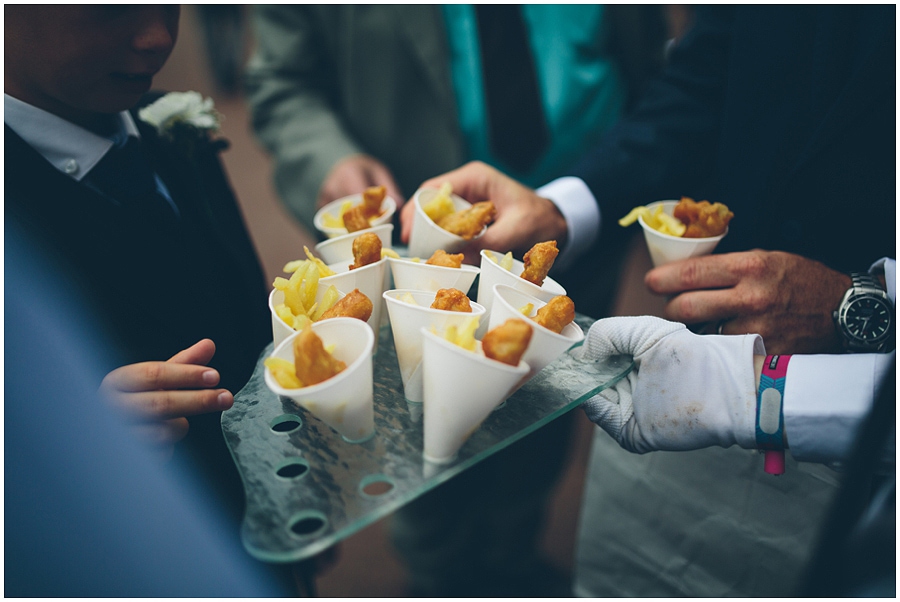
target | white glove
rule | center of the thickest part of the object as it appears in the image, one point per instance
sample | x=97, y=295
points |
x=686, y=391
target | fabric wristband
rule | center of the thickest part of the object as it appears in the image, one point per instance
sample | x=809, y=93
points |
x=770, y=413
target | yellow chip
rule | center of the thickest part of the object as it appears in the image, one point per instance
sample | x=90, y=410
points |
x=526, y=309
x=284, y=372
x=324, y=270
x=507, y=262
x=633, y=216
x=385, y=252
x=463, y=336
x=441, y=205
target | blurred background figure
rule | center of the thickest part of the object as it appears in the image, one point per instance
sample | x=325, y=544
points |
x=346, y=97
x=90, y=512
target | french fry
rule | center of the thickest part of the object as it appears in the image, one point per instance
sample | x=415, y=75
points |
x=324, y=270
x=284, y=372
x=463, y=336
x=441, y=205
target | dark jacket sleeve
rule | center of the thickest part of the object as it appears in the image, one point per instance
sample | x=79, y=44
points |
x=669, y=141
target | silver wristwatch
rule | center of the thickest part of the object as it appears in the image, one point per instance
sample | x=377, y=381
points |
x=865, y=318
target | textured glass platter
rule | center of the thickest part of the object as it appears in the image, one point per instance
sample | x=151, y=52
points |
x=308, y=489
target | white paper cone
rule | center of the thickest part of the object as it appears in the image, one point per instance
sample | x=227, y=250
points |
x=461, y=389
x=545, y=345
x=369, y=279
x=411, y=275
x=492, y=274
x=665, y=248
x=407, y=322
x=345, y=402
x=388, y=206
x=340, y=248
x=281, y=330
x=426, y=236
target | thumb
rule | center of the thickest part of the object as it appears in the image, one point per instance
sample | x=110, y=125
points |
x=612, y=408
x=633, y=335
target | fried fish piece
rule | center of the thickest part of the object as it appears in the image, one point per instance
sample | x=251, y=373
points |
x=469, y=222
x=355, y=219
x=507, y=343
x=538, y=261
x=557, y=314
x=445, y=259
x=703, y=219
x=352, y=305
x=451, y=299
x=366, y=250
x=372, y=198
x=312, y=363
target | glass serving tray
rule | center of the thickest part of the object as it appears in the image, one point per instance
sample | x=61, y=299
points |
x=307, y=488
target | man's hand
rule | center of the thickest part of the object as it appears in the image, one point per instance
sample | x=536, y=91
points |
x=159, y=395
x=685, y=392
x=354, y=174
x=786, y=298
x=523, y=218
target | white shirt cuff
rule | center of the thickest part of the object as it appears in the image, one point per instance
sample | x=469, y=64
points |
x=578, y=206
x=889, y=267
x=826, y=398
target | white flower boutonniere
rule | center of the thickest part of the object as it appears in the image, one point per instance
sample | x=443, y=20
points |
x=182, y=116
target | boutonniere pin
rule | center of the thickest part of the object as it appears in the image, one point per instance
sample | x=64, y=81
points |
x=184, y=118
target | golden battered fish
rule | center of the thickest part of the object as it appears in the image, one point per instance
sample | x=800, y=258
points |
x=451, y=299
x=507, y=343
x=366, y=250
x=469, y=222
x=372, y=198
x=312, y=362
x=355, y=219
x=702, y=219
x=557, y=314
x=352, y=305
x=444, y=259
x=538, y=261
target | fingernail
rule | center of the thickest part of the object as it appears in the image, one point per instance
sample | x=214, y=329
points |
x=210, y=377
x=225, y=400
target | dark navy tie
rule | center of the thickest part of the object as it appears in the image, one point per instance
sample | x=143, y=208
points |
x=518, y=130
x=126, y=175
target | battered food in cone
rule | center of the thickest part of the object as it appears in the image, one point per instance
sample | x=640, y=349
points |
x=703, y=219
x=355, y=219
x=366, y=250
x=313, y=364
x=507, y=343
x=557, y=314
x=353, y=305
x=470, y=222
x=451, y=299
x=538, y=261
x=372, y=198
x=444, y=259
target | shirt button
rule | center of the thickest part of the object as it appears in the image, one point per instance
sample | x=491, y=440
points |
x=71, y=166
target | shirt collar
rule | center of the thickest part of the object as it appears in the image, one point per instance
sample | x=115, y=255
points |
x=70, y=148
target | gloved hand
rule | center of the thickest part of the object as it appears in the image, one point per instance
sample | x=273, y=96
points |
x=685, y=392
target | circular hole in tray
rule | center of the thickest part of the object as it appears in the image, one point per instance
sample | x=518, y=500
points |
x=376, y=485
x=293, y=468
x=307, y=523
x=286, y=423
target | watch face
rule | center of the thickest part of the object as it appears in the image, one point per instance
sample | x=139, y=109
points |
x=868, y=319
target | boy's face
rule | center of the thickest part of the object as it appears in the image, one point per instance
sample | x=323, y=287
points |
x=78, y=61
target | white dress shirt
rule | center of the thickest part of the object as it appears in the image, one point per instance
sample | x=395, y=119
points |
x=826, y=397
x=70, y=148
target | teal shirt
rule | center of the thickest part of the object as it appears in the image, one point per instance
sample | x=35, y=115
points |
x=581, y=91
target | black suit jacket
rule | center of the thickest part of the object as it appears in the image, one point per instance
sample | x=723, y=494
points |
x=786, y=114
x=158, y=286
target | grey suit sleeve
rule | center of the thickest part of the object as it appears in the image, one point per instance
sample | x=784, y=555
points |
x=291, y=90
